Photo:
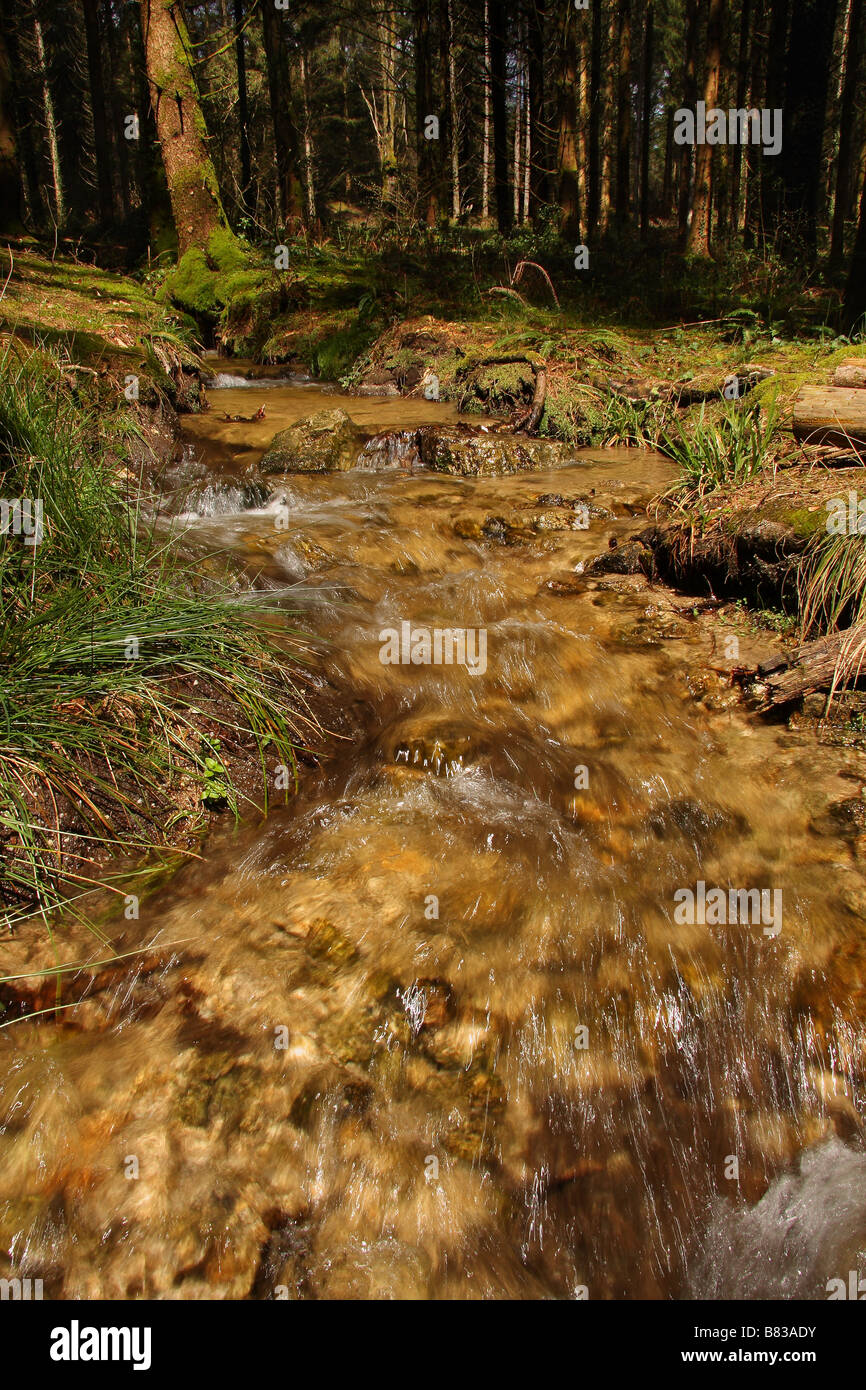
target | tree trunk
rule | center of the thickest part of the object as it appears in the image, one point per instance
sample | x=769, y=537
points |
x=742, y=93
x=698, y=241
x=500, y=114
x=569, y=183
x=537, y=145
x=192, y=184
x=667, y=204
x=518, y=133
x=289, y=194
x=453, y=116
x=851, y=373
x=609, y=129
x=428, y=208
x=247, y=197
x=595, y=97
x=854, y=307
x=114, y=46
x=101, y=143
x=844, y=159
x=485, y=145
x=387, y=55
x=50, y=125
x=774, y=99
x=825, y=664
x=309, y=162
x=809, y=60
x=623, y=114
x=646, y=122
x=10, y=176
x=690, y=97
x=755, y=167
x=527, y=143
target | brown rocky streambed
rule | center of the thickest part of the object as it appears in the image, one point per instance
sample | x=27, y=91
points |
x=434, y=1028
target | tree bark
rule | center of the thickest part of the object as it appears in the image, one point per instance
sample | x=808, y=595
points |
x=101, y=142
x=516, y=180
x=424, y=106
x=309, y=161
x=500, y=114
x=115, y=41
x=623, y=114
x=453, y=116
x=854, y=307
x=755, y=167
x=247, y=197
x=698, y=241
x=646, y=122
x=192, y=184
x=817, y=665
x=485, y=144
x=10, y=175
x=690, y=97
x=50, y=124
x=569, y=182
x=594, y=176
x=537, y=163
x=289, y=193
x=844, y=158
x=809, y=54
x=387, y=133
x=742, y=93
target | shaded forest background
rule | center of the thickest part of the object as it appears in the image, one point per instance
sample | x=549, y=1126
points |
x=134, y=131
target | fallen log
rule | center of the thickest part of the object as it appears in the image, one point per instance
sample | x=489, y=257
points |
x=824, y=664
x=851, y=374
x=682, y=394
x=830, y=415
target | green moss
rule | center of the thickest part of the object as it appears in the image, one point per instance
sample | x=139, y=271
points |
x=332, y=356
x=207, y=281
x=805, y=522
x=193, y=283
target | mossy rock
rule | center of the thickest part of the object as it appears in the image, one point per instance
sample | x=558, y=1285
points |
x=327, y=942
x=327, y=442
x=217, y=1087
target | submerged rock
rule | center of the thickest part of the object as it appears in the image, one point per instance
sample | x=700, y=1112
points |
x=630, y=558
x=327, y=442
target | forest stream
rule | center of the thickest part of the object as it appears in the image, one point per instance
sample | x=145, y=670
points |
x=431, y=1028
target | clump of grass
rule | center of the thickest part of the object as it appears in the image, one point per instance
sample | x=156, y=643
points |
x=832, y=583
x=832, y=593
x=634, y=424
x=109, y=649
x=728, y=451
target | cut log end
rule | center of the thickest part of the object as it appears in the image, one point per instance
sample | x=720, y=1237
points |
x=830, y=415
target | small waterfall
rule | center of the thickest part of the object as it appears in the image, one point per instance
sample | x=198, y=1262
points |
x=226, y=381
x=393, y=449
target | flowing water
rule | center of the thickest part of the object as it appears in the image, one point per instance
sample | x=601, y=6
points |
x=434, y=1028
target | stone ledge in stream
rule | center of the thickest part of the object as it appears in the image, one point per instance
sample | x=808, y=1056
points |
x=330, y=442
x=473, y=451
